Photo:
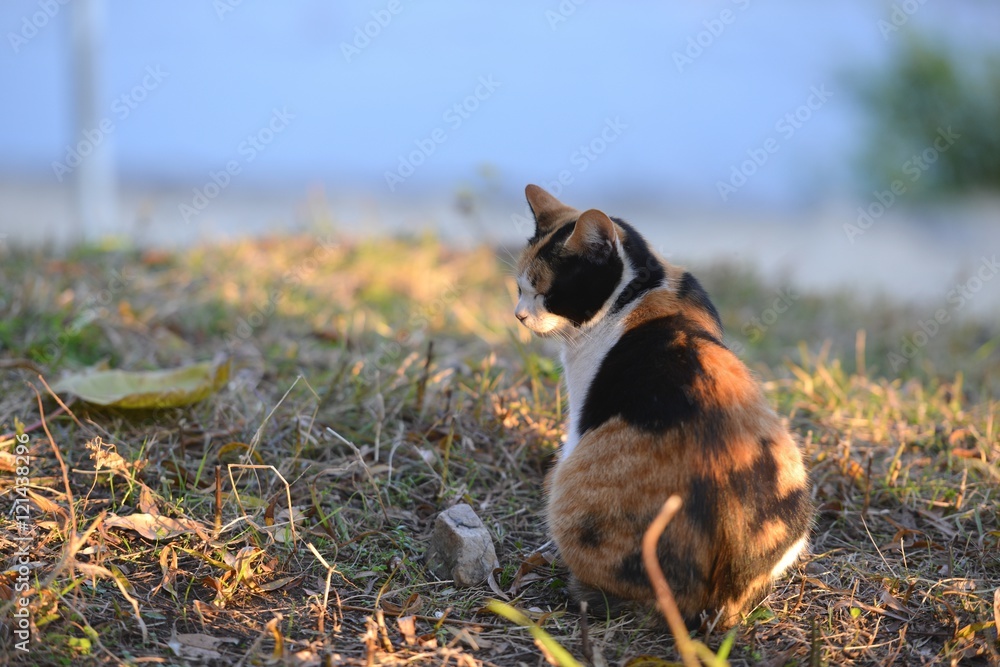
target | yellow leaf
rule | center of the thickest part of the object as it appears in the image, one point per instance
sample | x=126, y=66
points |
x=650, y=661
x=148, y=389
x=970, y=630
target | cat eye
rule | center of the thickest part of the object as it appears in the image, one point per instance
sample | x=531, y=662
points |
x=518, y=290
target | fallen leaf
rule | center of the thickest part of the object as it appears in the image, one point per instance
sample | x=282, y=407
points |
x=121, y=578
x=891, y=601
x=279, y=524
x=148, y=389
x=529, y=571
x=494, y=586
x=411, y=606
x=278, y=583
x=269, y=512
x=408, y=628
x=46, y=505
x=650, y=661
x=153, y=527
x=168, y=568
x=196, y=647
x=147, y=501
x=106, y=456
x=242, y=449
x=970, y=630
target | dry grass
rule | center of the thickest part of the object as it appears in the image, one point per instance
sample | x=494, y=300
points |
x=333, y=334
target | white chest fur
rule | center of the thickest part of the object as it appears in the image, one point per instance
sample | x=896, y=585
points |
x=582, y=358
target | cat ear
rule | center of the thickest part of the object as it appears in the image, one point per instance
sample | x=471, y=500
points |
x=547, y=209
x=594, y=234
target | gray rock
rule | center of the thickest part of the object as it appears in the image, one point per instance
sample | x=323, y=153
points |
x=461, y=548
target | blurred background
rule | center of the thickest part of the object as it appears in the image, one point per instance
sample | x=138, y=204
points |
x=851, y=144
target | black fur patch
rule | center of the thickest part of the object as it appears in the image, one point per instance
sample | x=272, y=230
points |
x=581, y=284
x=649, y=271
x=710, y=432
x=756, y=483
x=703, y=503
x=632, y=571
x=691, y=290
x=679, y=568
x=550, y=250
x=793, y=509
x=590, y=534
x=754, y=488
x=647, y=379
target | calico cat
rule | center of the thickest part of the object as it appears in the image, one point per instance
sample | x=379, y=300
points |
x=657, y=406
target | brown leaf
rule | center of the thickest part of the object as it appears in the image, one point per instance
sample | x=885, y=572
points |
x=279, y=583
x=8, y=462
x=168, y=567
x=408, y=628
x=239, y=448
x=269, y=512
x=411, y=606
x=147, y=501
x=531, y=569
x=153, y=527
x=46, y=505
x=220, y=591
x=106, y=456
x=197, y=647
x=494, y=586
x=891, y=601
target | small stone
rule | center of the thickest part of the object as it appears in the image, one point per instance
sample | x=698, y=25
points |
x=461, y=548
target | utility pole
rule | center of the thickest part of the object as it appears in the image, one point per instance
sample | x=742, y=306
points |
x=95, y=187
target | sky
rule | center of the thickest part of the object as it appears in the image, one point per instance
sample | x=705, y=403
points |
x=402, y=99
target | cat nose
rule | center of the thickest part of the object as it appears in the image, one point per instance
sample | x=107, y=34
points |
x=521, y=315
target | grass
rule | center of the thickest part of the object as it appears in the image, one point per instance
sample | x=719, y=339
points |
x=408, y=348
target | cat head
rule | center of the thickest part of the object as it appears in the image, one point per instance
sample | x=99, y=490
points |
x=572, y=266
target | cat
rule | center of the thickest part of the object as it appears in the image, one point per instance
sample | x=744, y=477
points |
x=658, y=405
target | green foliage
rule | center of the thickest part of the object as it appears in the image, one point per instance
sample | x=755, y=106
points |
x=925, y=89
x=48, y=338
